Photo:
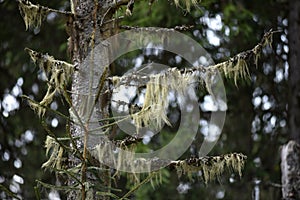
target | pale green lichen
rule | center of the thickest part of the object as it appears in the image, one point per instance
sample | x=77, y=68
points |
x=58, y=72
x=56, y=154
x=267, y=41
x=121, y=158
x=154, y=110
x=40, y=108
x=156, y=178
x=33, y=15
x=235, y=68
x=187, y=3
x=211, y=167
x=155, y=104
x=58, y=75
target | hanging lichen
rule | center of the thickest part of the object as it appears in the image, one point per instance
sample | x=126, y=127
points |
x=58, y=74
x=40, y=107
x=208, y=80
x=211, y=167
x=267, y=40
x=154, y=110
x=235, y=69
x=121, y=158
x=187, y=3
x=33, y=15
x=56, y=154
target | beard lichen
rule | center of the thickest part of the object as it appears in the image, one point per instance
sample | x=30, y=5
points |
x=211, y=167
x=40, y=107
x=56, y=154
x=236, y=69
x=58, y=74
x=208, y=167
x=154, y=110
x=121, y=158
x=33, y=15
x=187, y=3
x=112, y=155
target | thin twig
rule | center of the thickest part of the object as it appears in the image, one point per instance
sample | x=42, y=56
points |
x=176, y=28
x=137, y=186
x=244, y=55
x=28, y=3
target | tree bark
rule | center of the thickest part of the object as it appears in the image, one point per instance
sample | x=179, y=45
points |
x=290, y=169
x=294, y=70
x=290, y=153
x=87, y=29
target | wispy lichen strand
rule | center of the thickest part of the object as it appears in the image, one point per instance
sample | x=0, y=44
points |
x=154, y=110
x=211, y=166
x=56, y=154
x=33, y=15
x=187, y=3
x=58, y=75
x=235, y=68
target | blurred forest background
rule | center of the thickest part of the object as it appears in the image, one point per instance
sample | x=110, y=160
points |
x=256, y=122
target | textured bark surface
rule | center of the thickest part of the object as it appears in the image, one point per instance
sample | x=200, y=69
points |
x=294, y=70
x=87, y=29
x=290, y=153
x=290, y=171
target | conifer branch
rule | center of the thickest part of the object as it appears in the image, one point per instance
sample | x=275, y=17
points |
x=58, y=75
x=211, y=167
x=234, y=68
x=176, y=28
x=33, y=15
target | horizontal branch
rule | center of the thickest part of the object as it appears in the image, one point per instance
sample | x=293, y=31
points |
x=58, y=75
x=236, y=67
x=187, y=3
x=127, y=141
x=33, y=15
x=154, y=109
x=176, y=28
x=210, y=167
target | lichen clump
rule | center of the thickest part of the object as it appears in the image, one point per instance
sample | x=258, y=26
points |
x=187, y=3
x=211, y=167
x=154, y=110
x=56, y=154
x=58, y=75
x=33, y=15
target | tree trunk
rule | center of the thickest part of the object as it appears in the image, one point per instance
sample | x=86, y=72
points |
x=294, y=70
x=290, y=153
x=290, y=169
x=87, y=30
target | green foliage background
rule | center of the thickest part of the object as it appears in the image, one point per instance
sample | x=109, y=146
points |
x=255, y=129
